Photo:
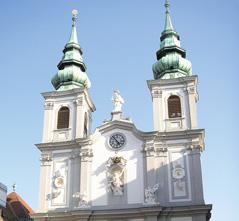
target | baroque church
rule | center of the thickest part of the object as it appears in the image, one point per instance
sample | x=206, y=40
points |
x=118, y=172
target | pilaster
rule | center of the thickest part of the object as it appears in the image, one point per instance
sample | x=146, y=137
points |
x=85, y=176
x=45, y=170
x=80, y=113
x=48, y=115
x=157, y=110
x=192, y=98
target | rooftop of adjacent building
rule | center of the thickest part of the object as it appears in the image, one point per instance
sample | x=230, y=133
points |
x=16, y=208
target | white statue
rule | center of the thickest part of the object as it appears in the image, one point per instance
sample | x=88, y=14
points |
x=150, y=194
x=117, y=101
x=115, y=175
x=81, y=199
x=116, y=183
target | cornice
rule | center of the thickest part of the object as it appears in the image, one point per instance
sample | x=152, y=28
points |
x=170, y=82
x=80, y=142
x=54, y=94
x=125, y=213
x=99, y=214
x=126, y=125
x=74, y=92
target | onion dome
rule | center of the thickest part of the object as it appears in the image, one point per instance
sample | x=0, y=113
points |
x=172, y=62
x=72, y=70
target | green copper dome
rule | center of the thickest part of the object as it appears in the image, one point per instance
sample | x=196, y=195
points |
x=172, y=62
x=72, y=70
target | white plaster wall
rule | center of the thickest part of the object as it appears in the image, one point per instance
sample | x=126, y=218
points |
x=134, y=168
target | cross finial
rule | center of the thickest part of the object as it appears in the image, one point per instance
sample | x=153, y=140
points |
x=74, y=16
x=167, y=5
x=14, y=186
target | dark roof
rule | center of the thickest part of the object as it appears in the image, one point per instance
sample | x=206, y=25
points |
x=16, y=208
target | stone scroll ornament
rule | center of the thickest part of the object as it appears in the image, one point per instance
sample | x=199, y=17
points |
x=178, y=173
x=150, y=197
x=115, y=175
x=80, y=200
x=58, y=184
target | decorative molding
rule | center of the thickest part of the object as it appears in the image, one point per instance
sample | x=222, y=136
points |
x=48, y=105
x=46, y=159
x=149, y=193
x=75, y=155
x=80, y=200
x=79, y=101
x=191, y=90
x=194, y=147
x=149, y=149
x=157, y=94
x=86, y=154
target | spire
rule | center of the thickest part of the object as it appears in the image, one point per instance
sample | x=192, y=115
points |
x=14, y=186
x=171, y=57
x=72, y=69
x=168, y=22
x=73, y=37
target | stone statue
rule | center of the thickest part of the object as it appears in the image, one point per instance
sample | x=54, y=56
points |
x=115, y=175
x=116, y=183
x=80, y=200
x=117, y=101
x=150, y=194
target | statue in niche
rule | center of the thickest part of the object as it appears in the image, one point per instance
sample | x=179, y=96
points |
x=117, y=101
x=115, y=175
x=150, y=197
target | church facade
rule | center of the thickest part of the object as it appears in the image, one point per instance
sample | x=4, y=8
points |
x=118, y=172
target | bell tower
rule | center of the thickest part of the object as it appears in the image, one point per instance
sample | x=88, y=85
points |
x=174, y=97
x=68, y=109
x=67, y=125
x=174, y=88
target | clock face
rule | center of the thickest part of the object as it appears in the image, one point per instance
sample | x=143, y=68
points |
x=117, y=141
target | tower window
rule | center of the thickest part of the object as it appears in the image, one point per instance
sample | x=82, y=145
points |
x=174, y=107
x=63, y=118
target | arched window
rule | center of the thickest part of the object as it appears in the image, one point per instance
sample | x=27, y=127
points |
x=85, y=126
x=174, y=107
x=63, y=118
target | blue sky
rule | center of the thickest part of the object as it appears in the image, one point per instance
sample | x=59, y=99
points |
x=119, y=41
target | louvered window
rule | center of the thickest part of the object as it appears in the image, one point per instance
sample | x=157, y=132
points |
x=174, y=107
x=63, y=118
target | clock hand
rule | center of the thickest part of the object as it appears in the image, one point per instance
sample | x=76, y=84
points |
x=116, y=140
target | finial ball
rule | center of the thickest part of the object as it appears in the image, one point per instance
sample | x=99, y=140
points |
x=74, y=12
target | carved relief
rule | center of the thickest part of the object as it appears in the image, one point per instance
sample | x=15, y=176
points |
x=178, y=175
x=157, y=94
x=74, y=155
x=48, y=105
x=191, y=90
x=79, y=101
x=115, y=175
x=149, y=149
x=80, y=200
x=59, y=183
x=86, y=154
x=46, y=160
x=150, y=196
